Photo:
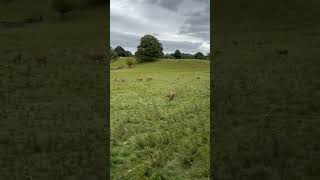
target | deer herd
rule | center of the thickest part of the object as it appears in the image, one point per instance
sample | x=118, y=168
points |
x=42, y=60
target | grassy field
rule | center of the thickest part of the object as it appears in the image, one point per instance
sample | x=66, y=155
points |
x=52, y=117
x=152, y=137
x=266, y=105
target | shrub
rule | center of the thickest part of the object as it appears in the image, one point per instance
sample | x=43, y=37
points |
x=149, y=49
x=62, y=7
x=129, y=62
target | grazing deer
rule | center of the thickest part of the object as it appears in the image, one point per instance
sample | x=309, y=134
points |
x=172, y=95
x=17, y=58
x=217, y=52
x=235, y=43
x=282, y=52
x=140, y=79
x=41, y=60
x=97, y=57
x=33, y=19
x=149, y=79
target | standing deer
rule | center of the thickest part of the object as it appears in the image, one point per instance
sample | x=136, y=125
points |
x=97, y=57
x=282, y=52
x=172, y=95
x=41, y=60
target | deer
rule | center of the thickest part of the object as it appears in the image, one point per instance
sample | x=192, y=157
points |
x=282, y=52
x=235, y=43
x=172, y=95
x=97, y=57
x=17, y=58
x=41, y=60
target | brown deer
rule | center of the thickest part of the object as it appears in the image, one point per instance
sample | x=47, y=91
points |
x=97, y=57
x=149, y=79
x=172, y=95
x=235, y=43
x=41, y=60
x=282, y=52
x=17, y=58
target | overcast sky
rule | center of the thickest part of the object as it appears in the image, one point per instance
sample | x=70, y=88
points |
x=178, y=24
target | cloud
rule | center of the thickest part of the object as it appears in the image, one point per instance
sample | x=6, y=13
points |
x=197, y=24
x=178, y=24
x=183, y=46
x=172, y=5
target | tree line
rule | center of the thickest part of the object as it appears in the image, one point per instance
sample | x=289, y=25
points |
x=150, y=49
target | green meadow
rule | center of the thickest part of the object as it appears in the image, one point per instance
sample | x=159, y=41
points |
x=153, y=137
x=266, y=93
x=52, y=117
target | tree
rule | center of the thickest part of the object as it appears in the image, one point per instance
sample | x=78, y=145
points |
x=177, y=54
x=62, y=7
x=187, y=56
x=168, y=56
x=198, y=55
x=128, y=53
x=113, y=54
x=149, y=49
x=120, y=51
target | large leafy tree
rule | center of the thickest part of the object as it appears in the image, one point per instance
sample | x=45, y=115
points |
x=120, y=51
x=149, y=49
x=177, y=54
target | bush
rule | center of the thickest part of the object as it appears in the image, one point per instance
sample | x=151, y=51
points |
x=129, y=62
x=62, y=7
x=149, y=49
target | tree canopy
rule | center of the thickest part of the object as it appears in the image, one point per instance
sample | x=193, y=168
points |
x=149, y=49
x=198, y=55
x=120, y=51
x=177, y=54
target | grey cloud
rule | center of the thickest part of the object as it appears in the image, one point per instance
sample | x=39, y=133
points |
x=127, y=41
x=183, y=46
x=197, y=24
x=161, y=18
x=168, y=4
x=130, y=42
x=202, y=1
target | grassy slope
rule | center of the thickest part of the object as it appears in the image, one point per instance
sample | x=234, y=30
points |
x=152, y=137
x=52, y=118
x=267, y=107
